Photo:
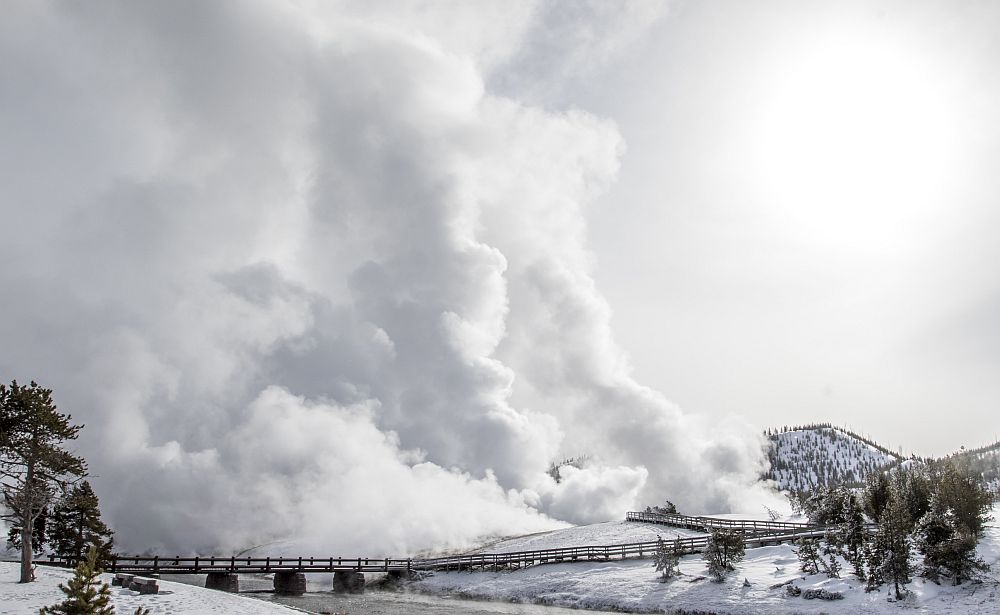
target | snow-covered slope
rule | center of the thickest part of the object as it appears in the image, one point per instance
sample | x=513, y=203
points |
x=633, y=585
x=804, y=458
x=174, y=598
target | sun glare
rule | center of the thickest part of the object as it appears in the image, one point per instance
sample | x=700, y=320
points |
x=856, y=142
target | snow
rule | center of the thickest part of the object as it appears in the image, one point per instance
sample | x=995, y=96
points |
x=796, y=456
x=174, y=598
x=633, y=585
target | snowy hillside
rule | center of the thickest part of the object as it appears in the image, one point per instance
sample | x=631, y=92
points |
x=803, y=458
x=759, y=584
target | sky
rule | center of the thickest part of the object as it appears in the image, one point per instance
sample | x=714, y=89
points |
x=351, y=276
x=803, y=225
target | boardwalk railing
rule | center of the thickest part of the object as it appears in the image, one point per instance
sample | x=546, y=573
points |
x=755, y=534
x=749, y=526
x=198, y=565
x=518, y=559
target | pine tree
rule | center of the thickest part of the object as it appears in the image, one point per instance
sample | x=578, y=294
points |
x=33, y=463
x=85, y=593
x=725, y=548
x=892, y=544
x=853, y=535
x=831, y=565
x=808, y=553
x=965, y=496
x=914, y=487
x=667, y=558
x=76, y=523
x=873, y=555
x=876, y=495
x=949, y=548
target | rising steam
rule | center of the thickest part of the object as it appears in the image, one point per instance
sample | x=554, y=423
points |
x=309, y=282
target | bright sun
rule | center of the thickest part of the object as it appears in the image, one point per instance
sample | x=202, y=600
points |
x=856, y=141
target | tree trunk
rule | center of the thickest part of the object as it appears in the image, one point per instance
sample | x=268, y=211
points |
x=26, y=553
x=27, y=524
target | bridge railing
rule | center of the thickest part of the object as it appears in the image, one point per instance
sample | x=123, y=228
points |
x=745, y=525
x=685, y=545
x=183, y=565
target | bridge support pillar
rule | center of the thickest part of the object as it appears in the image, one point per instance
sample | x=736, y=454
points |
x=225, y=581
x=349, y=581
x=400, y=576
x=290, y=582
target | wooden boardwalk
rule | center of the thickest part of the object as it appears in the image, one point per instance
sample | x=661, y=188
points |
x=248, y=565
x=756, y=534
x=748, y=526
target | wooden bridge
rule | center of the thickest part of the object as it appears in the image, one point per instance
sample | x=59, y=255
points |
x=289, y=571
x=244, y=565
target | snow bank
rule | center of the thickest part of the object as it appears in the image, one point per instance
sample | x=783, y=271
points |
x=173, y=599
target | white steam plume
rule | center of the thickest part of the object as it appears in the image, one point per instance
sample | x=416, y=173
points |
x=307, y=280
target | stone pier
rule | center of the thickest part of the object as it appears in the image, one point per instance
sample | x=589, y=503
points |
x=225, y=581
x=290, y=583
x=349, y=582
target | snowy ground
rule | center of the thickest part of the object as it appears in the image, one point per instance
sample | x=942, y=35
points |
x=174, y=598
x=633, y=585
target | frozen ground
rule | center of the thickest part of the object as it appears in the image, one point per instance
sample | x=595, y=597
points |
x=174, y=598
x=633, y=585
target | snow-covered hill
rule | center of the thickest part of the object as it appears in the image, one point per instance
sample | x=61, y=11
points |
x=803, y=458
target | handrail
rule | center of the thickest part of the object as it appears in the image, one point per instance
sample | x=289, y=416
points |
x=714, y=522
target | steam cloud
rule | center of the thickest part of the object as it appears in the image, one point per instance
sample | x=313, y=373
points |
x=309, y=283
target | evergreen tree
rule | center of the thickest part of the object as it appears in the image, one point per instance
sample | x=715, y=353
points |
x=725, y=548
x=949, y=548
x=853, y=534
x=873, y=556
x=913, y=486
x=832, y=565
x=808, y=553
x=969, y=501
x=892, y=545
x=667, y=558
x=85, y=593
x=76, y=523
x=33, y=463
x=876, y=495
